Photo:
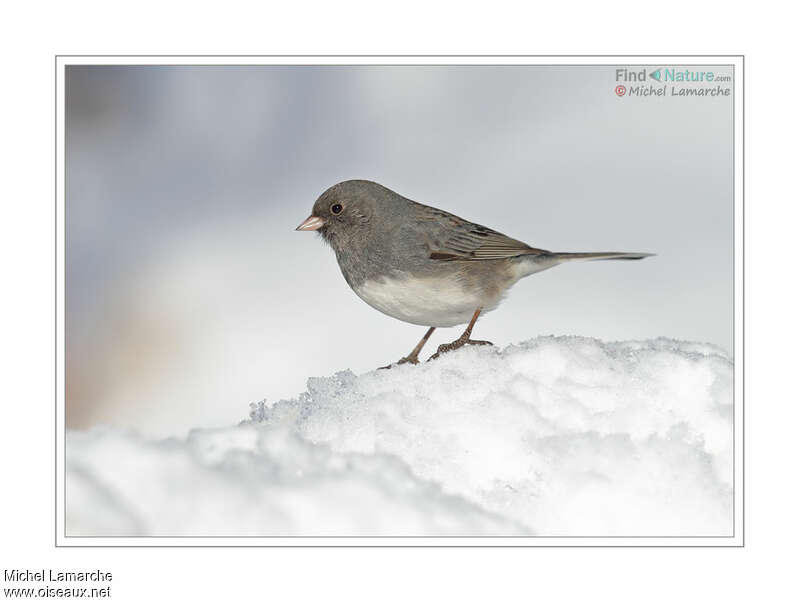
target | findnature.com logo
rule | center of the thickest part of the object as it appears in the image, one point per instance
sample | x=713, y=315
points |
x=689, y=82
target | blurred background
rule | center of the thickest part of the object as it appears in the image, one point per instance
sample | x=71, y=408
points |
x=190, y=295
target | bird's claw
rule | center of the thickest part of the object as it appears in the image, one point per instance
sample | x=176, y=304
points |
x=404, y=360
x=449, y=347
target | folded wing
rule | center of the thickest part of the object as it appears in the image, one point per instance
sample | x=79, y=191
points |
x=453, y=238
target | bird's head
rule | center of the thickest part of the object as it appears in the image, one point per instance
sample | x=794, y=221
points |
x=345, y=211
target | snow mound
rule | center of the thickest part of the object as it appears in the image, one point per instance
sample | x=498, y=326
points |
x=253, y=481
x=567, y=436
x=562, y=436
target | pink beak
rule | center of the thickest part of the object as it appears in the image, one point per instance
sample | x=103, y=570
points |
x=312, y=223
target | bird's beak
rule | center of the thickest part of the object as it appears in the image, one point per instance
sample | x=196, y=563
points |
x=312, y=223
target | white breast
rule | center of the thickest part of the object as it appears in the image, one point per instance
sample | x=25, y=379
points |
x=427, y=302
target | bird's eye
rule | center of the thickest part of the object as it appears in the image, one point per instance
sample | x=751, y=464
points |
x=336, y=208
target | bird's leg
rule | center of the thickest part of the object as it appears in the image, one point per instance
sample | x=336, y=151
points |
x=463, y=340
x=413, y=357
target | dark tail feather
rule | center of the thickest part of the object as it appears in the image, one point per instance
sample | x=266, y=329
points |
x=600, y=255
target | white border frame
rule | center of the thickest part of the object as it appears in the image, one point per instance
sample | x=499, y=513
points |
x=737, y=540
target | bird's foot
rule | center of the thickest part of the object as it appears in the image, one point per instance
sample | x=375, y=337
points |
x=460, y=342
x=410, y=359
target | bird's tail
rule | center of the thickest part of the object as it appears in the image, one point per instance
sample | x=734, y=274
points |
x=599, y=255
x=530, y=264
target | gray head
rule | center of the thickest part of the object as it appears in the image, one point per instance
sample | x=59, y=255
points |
x=353, y=210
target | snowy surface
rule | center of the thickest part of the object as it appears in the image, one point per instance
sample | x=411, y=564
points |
x=562, y=436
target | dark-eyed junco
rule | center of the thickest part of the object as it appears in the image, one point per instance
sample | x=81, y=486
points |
x=424, y=265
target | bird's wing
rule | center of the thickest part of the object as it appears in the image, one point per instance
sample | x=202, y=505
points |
x=453, y=238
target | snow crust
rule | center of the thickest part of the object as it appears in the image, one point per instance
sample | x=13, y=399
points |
x=556, y=436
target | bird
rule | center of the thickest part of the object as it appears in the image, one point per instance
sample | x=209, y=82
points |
x=423, y=265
